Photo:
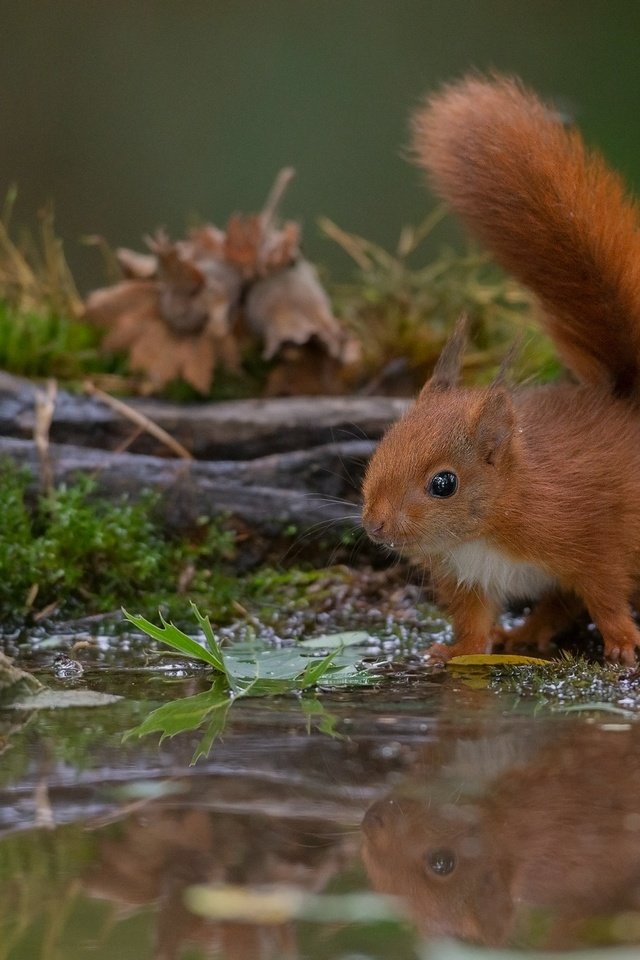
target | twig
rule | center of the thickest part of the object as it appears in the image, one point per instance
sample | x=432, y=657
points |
x=124, y=446
x=44, y=818
x=45, y=402
x=276, y=193
x=139, y=419
x=239, y=608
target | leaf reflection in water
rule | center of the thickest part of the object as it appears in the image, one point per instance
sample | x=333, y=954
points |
x=249, y=670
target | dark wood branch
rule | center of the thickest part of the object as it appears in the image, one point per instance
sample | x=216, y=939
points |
x=269, y=493
x=234, y=430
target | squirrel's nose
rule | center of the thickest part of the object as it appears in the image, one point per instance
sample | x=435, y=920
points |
x=374, y=528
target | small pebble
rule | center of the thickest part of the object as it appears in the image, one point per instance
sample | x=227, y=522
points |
x=65, y=668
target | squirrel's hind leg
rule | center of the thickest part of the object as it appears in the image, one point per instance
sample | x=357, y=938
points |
x=620, y=636
x=554, y=612
x=609, y=607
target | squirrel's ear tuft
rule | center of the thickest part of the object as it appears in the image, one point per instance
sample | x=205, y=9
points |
x=493, y=424
x=502, y=377
x=447, y=370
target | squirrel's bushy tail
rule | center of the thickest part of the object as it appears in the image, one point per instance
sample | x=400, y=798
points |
x=551, y=213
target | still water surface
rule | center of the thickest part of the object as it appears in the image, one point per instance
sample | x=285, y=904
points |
x=491, y=822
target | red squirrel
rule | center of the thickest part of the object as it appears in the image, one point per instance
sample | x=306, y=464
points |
x=530, y=494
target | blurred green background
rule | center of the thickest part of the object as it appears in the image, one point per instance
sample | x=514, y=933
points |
x=132, y=114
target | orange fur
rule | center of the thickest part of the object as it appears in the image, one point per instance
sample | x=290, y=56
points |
x=540, y=836
x=548, y=498
x=551, y=213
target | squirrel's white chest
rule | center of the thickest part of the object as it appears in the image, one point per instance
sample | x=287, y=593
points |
x=478, y=564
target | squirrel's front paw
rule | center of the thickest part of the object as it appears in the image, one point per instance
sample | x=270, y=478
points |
x=439, y=653
x=462, y=648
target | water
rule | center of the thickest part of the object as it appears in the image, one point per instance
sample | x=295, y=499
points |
x=487, y=819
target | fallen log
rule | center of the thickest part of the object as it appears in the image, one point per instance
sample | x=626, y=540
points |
x=300, y=488
x=233, y=430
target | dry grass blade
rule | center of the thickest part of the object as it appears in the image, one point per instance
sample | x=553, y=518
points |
x=353, y=245
x=139, y=419
x=8, y=205
x=402, y=312
x=366, y=253
x=36, y=276
x=411, y=237
x=60, y=285
x=17, y=280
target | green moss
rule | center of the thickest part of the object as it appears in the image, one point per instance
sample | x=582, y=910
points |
x=573, y=684
x=74, y=553
x=81, y=553
x=39, y=343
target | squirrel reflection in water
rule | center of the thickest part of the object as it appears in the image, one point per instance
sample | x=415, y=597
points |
x=506, y=842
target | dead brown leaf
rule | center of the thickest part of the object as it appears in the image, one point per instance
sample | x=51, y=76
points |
x=291, y=306
x=137, y=266
x=305, y=370
x=132, y=312
x=183, y=307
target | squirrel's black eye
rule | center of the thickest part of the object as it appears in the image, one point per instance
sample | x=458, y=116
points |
x=443, y=484
x=442, y=861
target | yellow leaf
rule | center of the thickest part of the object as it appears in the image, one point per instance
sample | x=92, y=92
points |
x=269, y=905
x=493, y=660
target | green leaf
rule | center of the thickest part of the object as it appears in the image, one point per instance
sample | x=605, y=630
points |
x=323, y=720
x=316, y=669
x=187, y=713
x=244, y=670
x=347, y=676
x=268, y=664
x=207, y=629
x=246, y=666
x=333, y=641
x=213, y=732
x=170, y=634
